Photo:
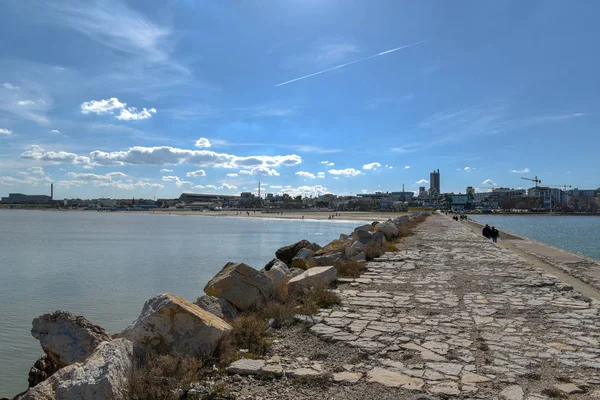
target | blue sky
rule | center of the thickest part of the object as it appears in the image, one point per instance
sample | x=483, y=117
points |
x=141, y=99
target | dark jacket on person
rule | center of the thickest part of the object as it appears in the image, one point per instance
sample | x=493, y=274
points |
x=487, y=232
x=494, y=233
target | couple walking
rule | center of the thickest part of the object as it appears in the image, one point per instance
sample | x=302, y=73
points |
x=491, y=233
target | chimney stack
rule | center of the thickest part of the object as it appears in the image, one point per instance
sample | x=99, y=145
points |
x=52, y=192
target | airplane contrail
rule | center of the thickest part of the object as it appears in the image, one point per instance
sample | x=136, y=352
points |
x=352, y=62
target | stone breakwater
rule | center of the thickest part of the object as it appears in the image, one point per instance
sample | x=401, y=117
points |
x=448, y=315
x=82, y=360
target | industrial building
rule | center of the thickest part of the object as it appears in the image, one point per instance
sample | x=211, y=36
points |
x=19, y=198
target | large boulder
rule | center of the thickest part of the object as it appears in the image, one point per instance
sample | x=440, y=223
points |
x=67, y=338
x=219, y=307
x=367, y=237
x=278, y=273
x=302, y=259
x=389, y=229
x=356, y=248
x=241, y=285
x=171, y=325
x=318, y=276
x=401, y=221
x=41, y=370
x=104, y=375
x=328, y=259
x=335, y=246
x=287, y=253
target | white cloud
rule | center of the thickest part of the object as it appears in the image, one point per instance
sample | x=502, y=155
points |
x=36, y=171
x=203, y=143
x=489, y=182
x=244, y=172
x=407, y=167
x=165, y=155
x=321, y=175
x=345, y=172
x=197, y=173
x=364, y=191
x=232, y=175
x=178, y=182
x=422, y=181
x=210, y=186
x=373, y=165
x=95, y=177
x=316, y=190
x=33, y=176
x=328, y=163
x=305, y=174
x=264, y=171
x=276, y=187
x=7, y=85
x=466, y=169
x=55, y=131
x=336, y=177
x=69, y=184
x=132, y=114
x=130, y=185
x=26, y=103
x=4, y=131
x=520, y=171
x=108, y=106
x=37, y=153
x=163, y=170
x=101, y=106
x=228, y=186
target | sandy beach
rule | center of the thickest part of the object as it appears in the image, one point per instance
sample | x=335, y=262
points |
x=310, y=215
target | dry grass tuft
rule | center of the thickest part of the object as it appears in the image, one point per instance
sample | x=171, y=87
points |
x=161, y=376
x=350, y=268
x=248, y=333
x=373, y=250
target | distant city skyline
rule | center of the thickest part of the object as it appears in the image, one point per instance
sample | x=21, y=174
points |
x=126, y=99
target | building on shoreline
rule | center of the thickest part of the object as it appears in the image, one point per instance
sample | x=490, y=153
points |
x=19, y=198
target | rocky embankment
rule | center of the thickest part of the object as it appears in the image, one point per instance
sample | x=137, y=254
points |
x=82, y=361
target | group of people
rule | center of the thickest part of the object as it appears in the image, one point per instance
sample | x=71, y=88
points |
x=491, y=233
x=460, y=217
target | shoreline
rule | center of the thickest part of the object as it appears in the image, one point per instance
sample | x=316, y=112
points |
x=344, y=216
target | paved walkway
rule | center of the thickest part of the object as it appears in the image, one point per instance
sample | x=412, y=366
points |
x=453, y=314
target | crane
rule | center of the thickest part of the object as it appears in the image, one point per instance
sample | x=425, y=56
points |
x=534, y=179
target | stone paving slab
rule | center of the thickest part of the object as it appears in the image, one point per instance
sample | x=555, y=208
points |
x=454, y=315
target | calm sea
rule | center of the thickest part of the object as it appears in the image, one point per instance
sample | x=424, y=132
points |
x=104, y=266
x=577, y=234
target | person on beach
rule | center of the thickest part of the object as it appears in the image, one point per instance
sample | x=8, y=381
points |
x=487, y=231
x=494, y=234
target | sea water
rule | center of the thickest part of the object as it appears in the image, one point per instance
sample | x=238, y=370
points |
x=104, y=266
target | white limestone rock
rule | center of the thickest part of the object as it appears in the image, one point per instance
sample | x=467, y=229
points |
x=219, y=307
x=67, y=338
x=169, y=325
x=241, y=285
x=318, y=276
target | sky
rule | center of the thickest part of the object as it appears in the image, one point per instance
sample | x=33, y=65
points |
x=151, y=99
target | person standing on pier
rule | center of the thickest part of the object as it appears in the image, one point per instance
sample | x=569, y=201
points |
x=487, y=231
x=494, y=234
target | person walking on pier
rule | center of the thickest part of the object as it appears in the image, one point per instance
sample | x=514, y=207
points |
x=494, y=234
x=487, y=231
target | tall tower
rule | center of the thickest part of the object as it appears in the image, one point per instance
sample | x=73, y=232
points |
x=259, y=189
x=434, y=183
x=52, y=192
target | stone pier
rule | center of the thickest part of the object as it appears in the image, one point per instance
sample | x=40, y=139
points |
x=450, y=315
